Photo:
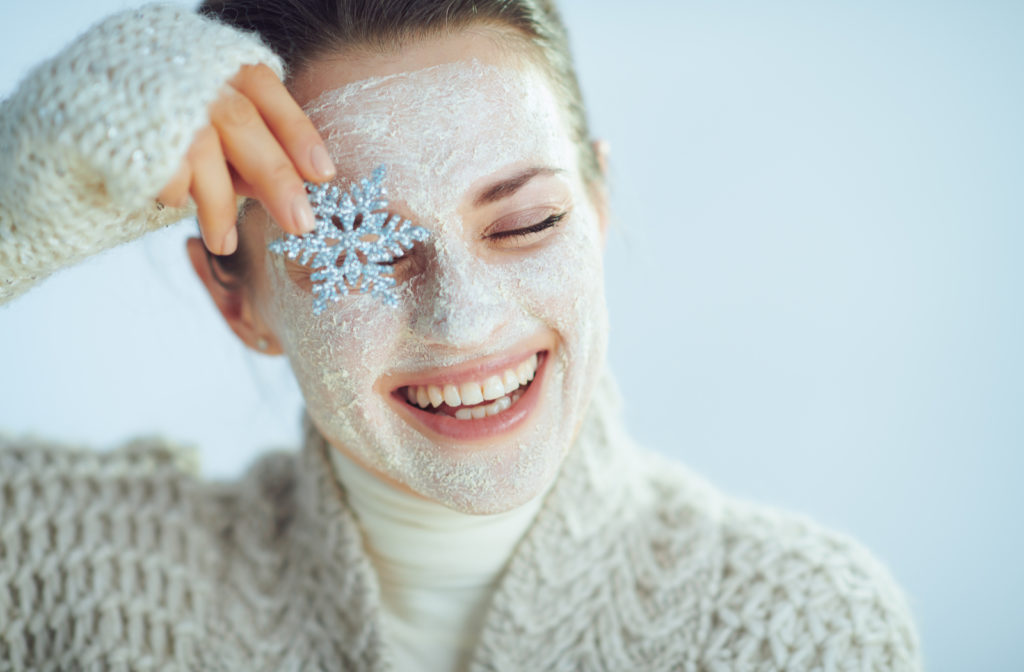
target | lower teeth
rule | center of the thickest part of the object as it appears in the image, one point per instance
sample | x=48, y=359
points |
x=493, y=408
x=477, y=412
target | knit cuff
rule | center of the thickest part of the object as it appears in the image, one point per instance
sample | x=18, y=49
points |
x=129, y=95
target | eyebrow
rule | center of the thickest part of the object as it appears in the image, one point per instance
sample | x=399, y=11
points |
x=507, y=187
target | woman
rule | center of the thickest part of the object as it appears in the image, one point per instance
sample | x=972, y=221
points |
x=408, y=532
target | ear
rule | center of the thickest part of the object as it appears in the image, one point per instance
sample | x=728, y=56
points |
x=234, y=303
x=599, y=192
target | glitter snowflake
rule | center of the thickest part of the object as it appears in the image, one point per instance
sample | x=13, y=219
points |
x=355, y=243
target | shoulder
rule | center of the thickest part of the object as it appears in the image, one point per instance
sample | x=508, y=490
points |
x=801, y=596
x=143, y=500
x=116, y=543
x=151, y=477
x=785, y=593
x=58, y=501
x=39, y=475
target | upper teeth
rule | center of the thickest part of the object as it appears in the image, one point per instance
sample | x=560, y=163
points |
x=473, y=392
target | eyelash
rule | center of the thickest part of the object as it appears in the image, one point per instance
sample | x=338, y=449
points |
x=525, y=232
x=515, y=234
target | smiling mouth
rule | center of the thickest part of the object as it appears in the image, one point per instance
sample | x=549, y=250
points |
x=474, y=399
x=469, y=409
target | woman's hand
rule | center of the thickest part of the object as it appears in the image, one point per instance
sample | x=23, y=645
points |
x=259, y=144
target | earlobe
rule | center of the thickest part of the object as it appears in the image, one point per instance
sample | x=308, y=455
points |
x=600, y=190
x=602, y=148
x=232, y=302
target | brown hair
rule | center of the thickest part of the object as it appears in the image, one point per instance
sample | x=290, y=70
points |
x=300, y=31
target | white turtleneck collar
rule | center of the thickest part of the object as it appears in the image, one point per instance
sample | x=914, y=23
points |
x=437, y=567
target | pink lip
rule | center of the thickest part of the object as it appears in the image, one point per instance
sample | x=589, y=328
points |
x=441, y=426
x=477, y=369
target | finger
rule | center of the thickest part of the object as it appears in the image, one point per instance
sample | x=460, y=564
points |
x=258, y=158
x=242, y=187
x=175, y=194
x=213, y=193
x=286, y=120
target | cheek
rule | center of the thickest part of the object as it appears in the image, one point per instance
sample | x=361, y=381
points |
x=563, y=285
x=338, y=355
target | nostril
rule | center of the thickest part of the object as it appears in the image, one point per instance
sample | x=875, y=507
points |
x=461, y=323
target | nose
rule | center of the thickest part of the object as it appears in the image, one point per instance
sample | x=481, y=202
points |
x=460, y=304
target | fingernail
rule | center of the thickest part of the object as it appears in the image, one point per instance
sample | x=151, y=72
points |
x=322, y=162
x=302, y=213
x=230, y=242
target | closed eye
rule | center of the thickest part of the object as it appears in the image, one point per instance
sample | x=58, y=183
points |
x=515, y=237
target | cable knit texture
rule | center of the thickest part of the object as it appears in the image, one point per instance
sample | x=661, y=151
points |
x=90, y=137
x=128, y=560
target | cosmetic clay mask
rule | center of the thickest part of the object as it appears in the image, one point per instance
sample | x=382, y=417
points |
x=442, y=132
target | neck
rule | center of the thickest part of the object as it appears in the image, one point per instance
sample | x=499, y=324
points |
x=415, y=542
x=436, y=567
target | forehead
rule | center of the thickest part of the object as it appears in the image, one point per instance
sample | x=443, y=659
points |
x=435, y=117
x=441, y=115
x=491, y=45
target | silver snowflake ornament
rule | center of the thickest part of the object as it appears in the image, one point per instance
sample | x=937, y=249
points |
x=355, y=243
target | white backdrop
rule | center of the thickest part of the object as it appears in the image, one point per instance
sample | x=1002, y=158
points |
x=815, y=283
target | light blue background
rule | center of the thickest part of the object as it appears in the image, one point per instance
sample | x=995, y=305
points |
x=815, y=283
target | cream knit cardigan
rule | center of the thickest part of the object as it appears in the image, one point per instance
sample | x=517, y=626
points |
x=128, y=560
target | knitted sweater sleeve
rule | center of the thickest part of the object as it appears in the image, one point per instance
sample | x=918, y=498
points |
x=90, y=137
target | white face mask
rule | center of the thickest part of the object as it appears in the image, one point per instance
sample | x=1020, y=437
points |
x=445, y=132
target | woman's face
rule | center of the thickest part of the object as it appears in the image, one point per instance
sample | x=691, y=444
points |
x=501, y=313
